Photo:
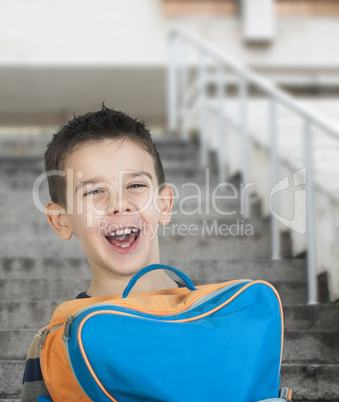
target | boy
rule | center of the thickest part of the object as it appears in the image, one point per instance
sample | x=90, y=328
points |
x=107, y=188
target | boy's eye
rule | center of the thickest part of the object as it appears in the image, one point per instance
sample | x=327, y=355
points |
x=136, y=185
x=95, y=191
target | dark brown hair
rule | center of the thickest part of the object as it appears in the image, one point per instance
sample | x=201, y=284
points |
x=94, y=127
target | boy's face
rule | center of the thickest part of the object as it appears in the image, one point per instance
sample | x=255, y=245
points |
x=112, y=185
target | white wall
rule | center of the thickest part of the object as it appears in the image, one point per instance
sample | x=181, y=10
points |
x=132, y=32
x=81, y=31
x=52, y=54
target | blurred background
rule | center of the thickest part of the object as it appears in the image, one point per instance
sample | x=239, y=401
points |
x=233, y=91
x=61, y=57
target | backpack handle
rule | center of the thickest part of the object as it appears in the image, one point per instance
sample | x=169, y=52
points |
x=152, y=267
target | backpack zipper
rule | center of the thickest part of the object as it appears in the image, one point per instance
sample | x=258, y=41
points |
x=202, y=300
x=44, y=334
x=67, y=328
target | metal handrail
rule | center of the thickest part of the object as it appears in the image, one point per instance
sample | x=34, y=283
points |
x=253, y=78
x=179, y=36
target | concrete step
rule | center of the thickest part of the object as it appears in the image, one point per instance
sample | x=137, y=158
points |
x=33, y=167
x=311, y=347
x=9, y=400
x=68, y=288
x=14, y=344
x=167, y=145
x=33, y=221
x=23, y=267
x=183, y=213
x=216, y=270
x=321, y=317
x=300, y=347
x=204, y=246
x=228, y=213
x=35, y=314
x=184, y=185
x=204, y=183
x=289, y=292
x=26, y=140
x=224, y=246
x=11, y=373
x=311, y=383
x=207, y=271
x=42, y=289
x=22, y=176
x=17, y=173
x=32, y=148
x=30, y=314
x=189, y=226
x=179, y=152
x=14, y=164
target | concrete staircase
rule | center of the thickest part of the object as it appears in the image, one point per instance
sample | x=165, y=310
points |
x=38, y=271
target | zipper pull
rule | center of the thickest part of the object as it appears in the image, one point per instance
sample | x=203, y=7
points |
x=43, y=335
x=67, y=329
x=286, y=393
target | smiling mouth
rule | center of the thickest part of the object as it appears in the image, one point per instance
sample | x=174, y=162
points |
x=123, y=240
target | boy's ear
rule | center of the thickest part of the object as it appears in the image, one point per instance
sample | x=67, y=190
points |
x=165, y=204
x=57, y=218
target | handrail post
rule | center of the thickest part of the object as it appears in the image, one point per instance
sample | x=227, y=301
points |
x=244, y=145
x=203, y=114
x=274, y=170
x=171, y=84
x=310, y=216
x=222, y=123
x=183, y=89
x=246, y=78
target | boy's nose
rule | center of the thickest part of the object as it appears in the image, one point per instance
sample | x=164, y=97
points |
x=122, y=205
x=121, y=210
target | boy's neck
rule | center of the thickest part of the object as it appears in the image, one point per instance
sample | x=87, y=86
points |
x=154, y=280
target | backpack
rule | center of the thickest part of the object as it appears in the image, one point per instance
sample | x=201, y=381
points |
x=220, y=342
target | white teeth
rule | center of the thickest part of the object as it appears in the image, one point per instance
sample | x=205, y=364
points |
x=123, y=231
x=125, y=245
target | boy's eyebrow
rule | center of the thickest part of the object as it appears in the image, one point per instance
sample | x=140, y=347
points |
x=99, y=179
